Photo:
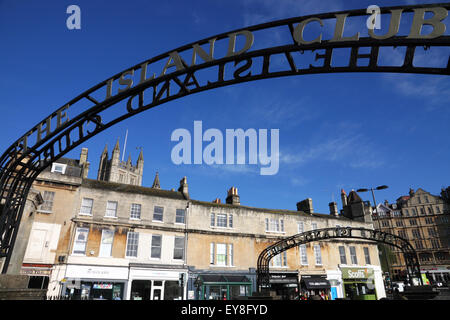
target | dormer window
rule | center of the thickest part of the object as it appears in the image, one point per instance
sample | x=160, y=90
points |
x=59, y=168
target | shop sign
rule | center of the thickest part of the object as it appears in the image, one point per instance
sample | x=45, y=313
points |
x=356, y=273
x=104, y=286
x=94, y=272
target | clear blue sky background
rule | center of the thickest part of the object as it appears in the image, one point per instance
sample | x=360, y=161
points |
x=336, y=131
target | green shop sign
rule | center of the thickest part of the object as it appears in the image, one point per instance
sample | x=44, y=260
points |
x=356, y=273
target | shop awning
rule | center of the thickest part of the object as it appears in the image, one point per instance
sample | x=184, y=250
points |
x=215, y=278
x=316, y=283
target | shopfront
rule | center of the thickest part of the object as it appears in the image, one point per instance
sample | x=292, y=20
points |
x=285, y=285
x=222, y=287
x=359, y=283
x=95, y=282
x=147, y=283
x=38, y=274
x=315, y=285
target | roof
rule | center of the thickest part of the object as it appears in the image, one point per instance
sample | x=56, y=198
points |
x=265, y=210
x=353, y=197
x=120, y=187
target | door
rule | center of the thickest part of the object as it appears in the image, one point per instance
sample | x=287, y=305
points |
x=157, y=290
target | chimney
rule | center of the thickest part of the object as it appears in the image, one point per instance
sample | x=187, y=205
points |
x=217, y=200
x=233, y=197
x=343, y=198
x=83, y=162
x=305, y=206
x=411, y=192
x=333, y=209
x=184, y=188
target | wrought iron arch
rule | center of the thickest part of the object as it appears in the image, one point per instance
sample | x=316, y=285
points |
x=87, y=115
x=410, y=255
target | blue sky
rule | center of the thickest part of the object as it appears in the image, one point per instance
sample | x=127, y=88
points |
x=336, y=130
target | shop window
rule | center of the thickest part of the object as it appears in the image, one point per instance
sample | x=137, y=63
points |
x=342, y=255
x=172, y=291
x=178, y=250
x=135, y=211
x=156, y=246
x=79, y=246
x=180, y=216
x=111, y=209
x=141, y=289
x=86, y=206
x=106, y=243
x=38, y=282
x=47, y=206
x=158, y=214
x=132, y=244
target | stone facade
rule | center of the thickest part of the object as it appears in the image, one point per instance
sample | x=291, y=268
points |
x=422, y=219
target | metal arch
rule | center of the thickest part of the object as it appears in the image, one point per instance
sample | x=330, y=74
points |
x=22, y=162
x=410, y=255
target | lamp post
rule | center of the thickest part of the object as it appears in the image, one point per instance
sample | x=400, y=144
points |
x=376, y=212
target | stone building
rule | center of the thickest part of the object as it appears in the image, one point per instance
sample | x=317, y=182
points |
x=422, y=219
x=105, y=239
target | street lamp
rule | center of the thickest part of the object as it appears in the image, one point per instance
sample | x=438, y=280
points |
x=376, y=212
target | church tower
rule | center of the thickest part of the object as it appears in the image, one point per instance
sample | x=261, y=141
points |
x=115, y=170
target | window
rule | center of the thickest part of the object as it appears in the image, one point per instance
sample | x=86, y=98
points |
x=81, y=236
x=158, y=214
x=317, y=254
x=406, y=212
x=419, y=244
x=426, y=199
x=230, y=221
x=416, y=233
x=132, y=244
x=47, y=206
x=303, y=255
x=353, y=255
x=212, y=253
x=432, y=232
x=230, y=254
x=156, y=246
x=413, y=222
x=86, y=206
x=178, y=249
x=221, y=254
x=135, y=212
x=106, y=243
x=422, y=210
x=419, y=200
x=59, y=168
x=313, y=226
x=300, y=227
x=430, y=210
x=222, y=220
x=385, y=223
x=435, y=243
x=402, y=233
x=280, y=260
x=213, y=219
x=342, y=255
x=366, y=255
x=428, y=220
x=180, y=216
x=438, y=210
x=399, y=223
x=274, y=225
x=111, y=209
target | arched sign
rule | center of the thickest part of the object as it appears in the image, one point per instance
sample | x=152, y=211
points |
x=410, y=255
x=201, y=66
